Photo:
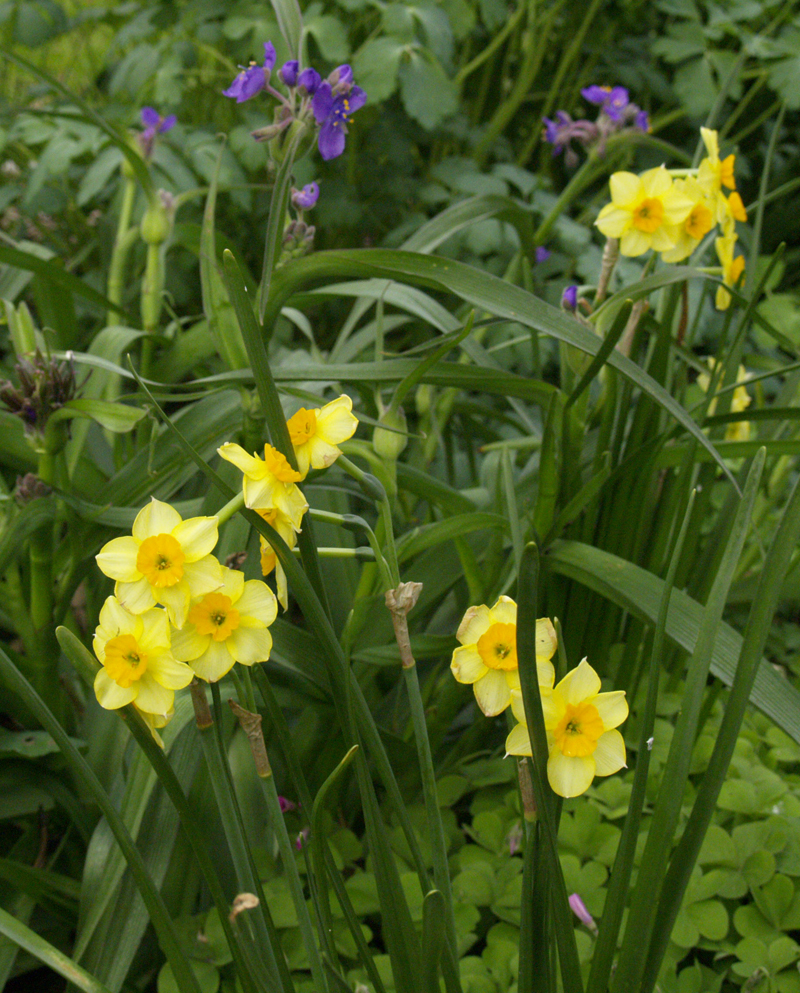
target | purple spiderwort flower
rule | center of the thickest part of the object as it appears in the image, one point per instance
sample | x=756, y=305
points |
x=542, y=254
x=341, y=79
x=302, y=838
x=642, y=122
x=306, y=198
x=580, y=911
x=333, y=112
x=308, y=81
x=569, y=299
x=254, y=78
x=288, y=72
x=612, y=99
x=154, y=124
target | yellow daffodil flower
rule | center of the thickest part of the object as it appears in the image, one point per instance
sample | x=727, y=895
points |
x=740, y=401
x=580, y=722
x=226, y=626
x=268, y=482
x=165, y=560
x=138, y=664
x=732, y=268
x=712, y=175
x=487, y=657
x=316, y=433
x=698, y=222
x=269, y=560
x=644, y=212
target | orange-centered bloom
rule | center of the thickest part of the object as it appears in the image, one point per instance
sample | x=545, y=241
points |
x=268, y=482
x=138, y=664
x=644, y=212
x=165, y=560
x=226, y=626
x=580, y=723
x=315, y=434
x=698, y=222
x=487, y=657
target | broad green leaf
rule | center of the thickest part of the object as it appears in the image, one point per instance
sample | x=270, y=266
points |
x=117, y=417
x=375, y=66
x=429, y=95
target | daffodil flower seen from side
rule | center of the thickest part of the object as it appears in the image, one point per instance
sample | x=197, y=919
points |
x=268, y=482
x=138, y=665
x=487, y=658
x=740, y=401
x=580, y=722
x=317, y=433
x=227, y=626
x=269, y=560
x=165, y=560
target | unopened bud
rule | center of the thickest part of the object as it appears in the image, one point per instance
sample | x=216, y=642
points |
x=390, y=436
x=267, y=133
x=155, y=224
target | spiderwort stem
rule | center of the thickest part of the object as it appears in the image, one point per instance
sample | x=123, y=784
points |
x=123, y=242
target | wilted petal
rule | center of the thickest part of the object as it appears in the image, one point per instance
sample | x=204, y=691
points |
x=155, y=518
x=569, y=775
x=111, y=695
x=475, y=623
x=467, y=666
x=117, y=559
x=492, y=692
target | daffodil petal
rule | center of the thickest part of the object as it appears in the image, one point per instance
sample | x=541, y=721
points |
x=248, y=464
x=135, y=597
x=545, y=673
x=115, y=619
x=153, y=698
x=656, y=182
x=625, y=188
x=569, y=775
x=553, y=706
x=214, y=662
x=580, y=684
x=188, y=643
x=117, y=559
x=512, y=678
x=518, y=707
x=474, y=623
x=613, y=221
x=336, y=422
x=165, y=669
x=609, y=756
x=467, y=666
x=492, y=692
x=258, y=601
x=176, y=600
x=111, y=695
x=202, y=576
x=612, y=708
x=321, y=453
x=634, y=242
x=197, y=536
x=155, y=518
x=232, y=584
x=260, y=493
x=155, y=630
x=504, y=611
x=250, y=645
x=546, y=639
x=518, y=741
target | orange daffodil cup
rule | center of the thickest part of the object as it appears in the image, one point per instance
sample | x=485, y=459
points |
x=487, y=658
x=671, y=211
x=581, y=730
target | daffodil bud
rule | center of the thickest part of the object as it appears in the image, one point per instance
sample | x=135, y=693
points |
x=390, y=438
x=423, y=398
x=155, y=224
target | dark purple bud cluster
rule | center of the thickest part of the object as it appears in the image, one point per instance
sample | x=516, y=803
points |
x=45, y=385
x=617, y=115
x=327, y=104
x=29, y=487
x=154, y=125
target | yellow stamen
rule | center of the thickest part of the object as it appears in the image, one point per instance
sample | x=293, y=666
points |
x=577, y=732
x=302, y=426
x=278, y=465
x=214, y=615
x=160, y=560
x=125, y=662
x=649, y=215
x=498, y=647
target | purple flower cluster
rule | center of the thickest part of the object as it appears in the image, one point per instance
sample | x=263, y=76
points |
x=329, y=103
x=617, y=114
x=154, y=125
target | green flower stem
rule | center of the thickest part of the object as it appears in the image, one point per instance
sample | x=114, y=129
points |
x=45, y=660
x=251, y=725
x=47, y=953
x=125, y=238
x=233, y=506
x=588, y=172
x=492, y=47
x=152, y=285
x=159, y=915
x=213, y=745
x=382, y=500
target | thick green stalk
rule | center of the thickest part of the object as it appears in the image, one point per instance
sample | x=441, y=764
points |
x=123, y=242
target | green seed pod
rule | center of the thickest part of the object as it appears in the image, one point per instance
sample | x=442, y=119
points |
x=424, y=398
x=155, y=225
x=390, y=443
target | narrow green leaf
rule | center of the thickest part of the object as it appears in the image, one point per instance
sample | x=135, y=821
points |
x=434, y=915
x=290, y=22
x=117, y=417
x=576, y=506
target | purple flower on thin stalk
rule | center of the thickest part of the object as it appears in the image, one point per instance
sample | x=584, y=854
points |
x=580, y=911
x=288, y=72
x=542, y=254
x=569, y=299
x=306, y=198
x=612, y=99
x=333, y=112
x=642, y=121
x=617, y=116
x=154, y=124
x=302, y=838
x=254, y=78
x=308, y=81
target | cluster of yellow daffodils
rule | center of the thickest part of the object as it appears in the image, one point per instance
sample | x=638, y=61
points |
x=740, y=401
x=270, y=483
x=487, y=658
x=671, y=211
x=174, y=604
x=580, y=722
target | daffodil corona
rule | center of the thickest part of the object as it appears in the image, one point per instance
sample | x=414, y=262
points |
x=165, y=560
x=487, y=658
x=580, y=722
x=138, y=665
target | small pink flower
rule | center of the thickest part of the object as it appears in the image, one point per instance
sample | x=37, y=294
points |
x=580, y=911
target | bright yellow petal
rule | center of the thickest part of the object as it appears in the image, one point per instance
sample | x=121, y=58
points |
x=711, y=141
x=176, y=599
x=504, y=611
x=613, y=221
x=545, y=673
x=197, y=536
x=155, y=630
x=609, y=756
x=247, y=464
x=336, y=422
x=569, y=775
x=321, y=453
x=626, y=188
x=117, y=559
x=135, y=597
x=155, y=518
x=474, y=623
x=492, y=692
x=111, y=695
x=612, y=708
x=467, y=666
x=580, y=684
x=214, y=662
x=518, y=741
x=250, y=645
x=258, y=602
x=517, y=706
x=153, y=698
x=546, y=639
x=202, y=576
x=634, y=242
x=553, y=706
x=167, y=671
x=187, y=643
x=115, y=619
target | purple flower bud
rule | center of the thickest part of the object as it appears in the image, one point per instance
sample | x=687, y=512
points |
x=642, y=121
x=269, y=55
x=286, y=804
x=254, y=78
x=341, y=79
x=612, y=100
x=288, y=72
x=569, y=299
x=542, y=254
x=580, y=911
x=308, y=81
x=306, y=198
x=302, y=838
